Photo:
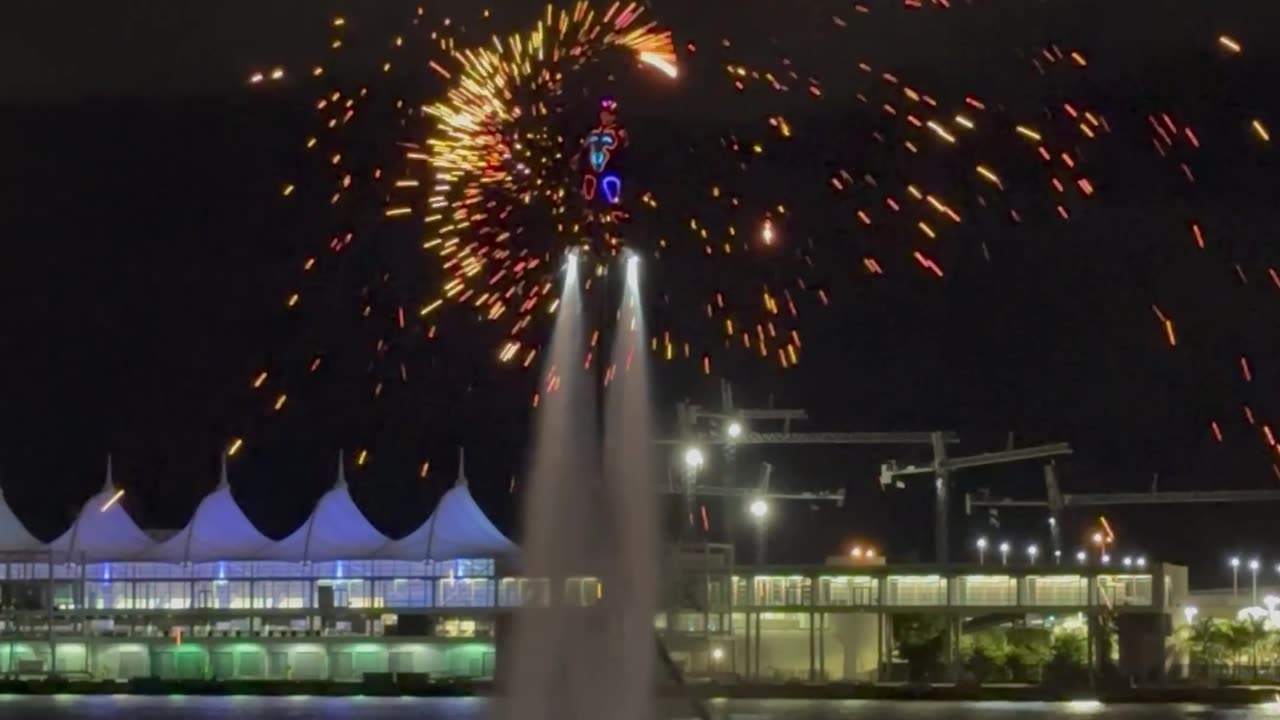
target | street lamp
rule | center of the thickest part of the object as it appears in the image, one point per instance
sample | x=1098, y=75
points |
x=1128, y=561
x=1081, y=556
x=1235, y=578
x=693, y=459
x=982, y=549
x=734, y=431
x=759, y=509
x=1032, y=552
x=1106, y=559
x=1057, y=557
x=1004, y=553
x=1141, y=561
x=1253, y=568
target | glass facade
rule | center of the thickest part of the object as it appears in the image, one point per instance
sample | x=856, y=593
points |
x=915, y=590
x=985, y=591
x=375, y=585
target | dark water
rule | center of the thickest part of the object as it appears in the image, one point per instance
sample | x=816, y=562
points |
x=257, y=708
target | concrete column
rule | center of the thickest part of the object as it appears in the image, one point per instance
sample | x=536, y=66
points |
x=812, y=646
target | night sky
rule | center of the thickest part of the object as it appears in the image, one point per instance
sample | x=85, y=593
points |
x=148, y=253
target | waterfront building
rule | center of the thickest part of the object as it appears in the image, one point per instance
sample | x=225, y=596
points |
x=336, y=600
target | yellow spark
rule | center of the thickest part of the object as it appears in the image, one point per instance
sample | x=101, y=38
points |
x=660, y=62
x=235, y=447
x=1229, y=43
x=107, y=505
x=1027, y=132
x=1261, y=130
x=986, y=172
x=941, y=131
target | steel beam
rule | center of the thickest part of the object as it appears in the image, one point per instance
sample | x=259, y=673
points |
x=812, y=438
x=1158, y=498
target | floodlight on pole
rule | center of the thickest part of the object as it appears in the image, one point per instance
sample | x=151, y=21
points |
x=1032, y=552
x=1235, y=577
x=982, y=549
x=734, y=431
x=693, y=458
x=1081, y=556
x=1004, y=553
x=1253, y=568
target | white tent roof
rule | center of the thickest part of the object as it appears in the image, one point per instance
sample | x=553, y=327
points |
x=458, y=528
x=336, y=530
x=14, y=536
x=101, y=532
x=219, y=530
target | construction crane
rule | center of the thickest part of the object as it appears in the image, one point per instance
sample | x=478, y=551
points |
x=1082, y=500
x=942, y=467
x=732, y=427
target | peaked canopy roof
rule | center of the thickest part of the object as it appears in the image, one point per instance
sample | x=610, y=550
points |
x=14, y=536
x=336, y=530
x=219, y=530
x=457, y=528
x=102, y=530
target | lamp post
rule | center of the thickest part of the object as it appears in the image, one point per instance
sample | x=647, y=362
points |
x=1004, y=553
x=1235, y=578
x=1081, y=556
x=759, y=510
x=734, y=431
x=982, y=550
x=1057, y=557
x=1032, y=552
x=1253, y=568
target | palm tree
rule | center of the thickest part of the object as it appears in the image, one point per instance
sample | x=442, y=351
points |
x=1238, y=638
x=1207, y=638
x=1253, y=632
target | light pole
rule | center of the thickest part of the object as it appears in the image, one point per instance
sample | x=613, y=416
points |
x=734, y=431
x=1032, y=552
x=1057, y=557
x=1235, y=578
x=693, y=462
x=1081, y=556
x=759, y=510
x=982, y=550
x=1004, y=553
x=1253, y=568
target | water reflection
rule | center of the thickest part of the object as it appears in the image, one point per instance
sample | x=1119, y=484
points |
x=66, y=707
